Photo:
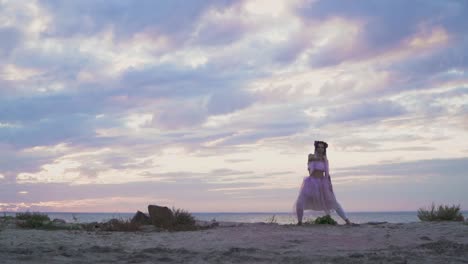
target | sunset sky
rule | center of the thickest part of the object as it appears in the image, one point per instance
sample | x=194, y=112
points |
x=213, y=106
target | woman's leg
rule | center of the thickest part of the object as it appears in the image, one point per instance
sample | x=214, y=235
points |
x=299, y=210
x=341, y=213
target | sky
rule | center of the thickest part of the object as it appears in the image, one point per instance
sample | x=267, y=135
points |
x=213, y=106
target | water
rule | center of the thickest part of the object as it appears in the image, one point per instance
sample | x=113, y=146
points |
x=280, y=218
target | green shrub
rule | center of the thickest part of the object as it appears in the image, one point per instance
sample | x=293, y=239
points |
x=120, y=225
x=7, y=217
x=113, y=225
x=32, y=220
x=183, y=220
x=36, y=216
x=325, y=220
x=440, y=213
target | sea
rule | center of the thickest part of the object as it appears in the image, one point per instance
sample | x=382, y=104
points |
x=245, y=217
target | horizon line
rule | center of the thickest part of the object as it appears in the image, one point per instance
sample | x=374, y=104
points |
x=201, y=212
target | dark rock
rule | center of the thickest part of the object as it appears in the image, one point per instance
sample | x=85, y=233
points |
x=161, y=216
x=59, y=221
x=376, y=223
x=141, y=218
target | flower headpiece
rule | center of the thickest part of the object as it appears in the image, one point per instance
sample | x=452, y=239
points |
x=323, y=144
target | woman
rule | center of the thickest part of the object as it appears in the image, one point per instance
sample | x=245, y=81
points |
x=316, y=191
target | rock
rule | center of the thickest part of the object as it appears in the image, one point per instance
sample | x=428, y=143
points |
x=376, y=223
x=141, y=218
x=59, y=221
x=161, y=216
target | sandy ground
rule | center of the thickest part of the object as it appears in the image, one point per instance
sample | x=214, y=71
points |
x=442, y=242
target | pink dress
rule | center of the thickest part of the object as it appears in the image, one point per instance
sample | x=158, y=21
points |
x=316, y=192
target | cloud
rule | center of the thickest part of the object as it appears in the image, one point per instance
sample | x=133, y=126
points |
x=221, y=33
x=49, y=131
x=126, y=18
x=257, y=123
x=38, y=108
x=288, y=51
x=10, y=38
x=189, y=113
x=121, y=164
x=364, y=112
x=265, y=131
x=441, y=65
x=187, y=188
x=14, y=161
x=237, y=160
x=228, y=101
x=433, y=168
x=220, y=27
x=186, y=96
x=383, y=29
x=380, y=29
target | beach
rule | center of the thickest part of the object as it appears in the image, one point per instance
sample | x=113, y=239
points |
x=418, y=242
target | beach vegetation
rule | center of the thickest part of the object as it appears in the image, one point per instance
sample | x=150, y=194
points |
x=325, y=220
x=441, y=213
x=75, y=219
x=183, y=220
x=6, y=217
x=32, y=220
x=120, y=225
x=36, y=216
x=113, y=225
x=37, y=220
x=272, y=220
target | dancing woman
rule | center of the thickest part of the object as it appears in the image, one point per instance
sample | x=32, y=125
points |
x=316, y=192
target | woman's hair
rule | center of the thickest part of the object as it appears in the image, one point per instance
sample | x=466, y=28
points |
x=312, y=157
x=324, y=144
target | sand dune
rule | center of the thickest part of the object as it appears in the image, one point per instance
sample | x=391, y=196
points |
x=422, y=242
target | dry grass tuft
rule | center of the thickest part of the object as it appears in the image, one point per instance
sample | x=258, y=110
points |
x=113, y=225
x=32, y=220
x=441, y=213
x=183, y=221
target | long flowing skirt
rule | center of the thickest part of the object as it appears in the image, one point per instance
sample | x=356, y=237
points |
x=316, y=194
